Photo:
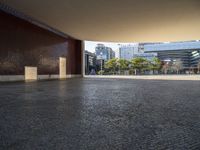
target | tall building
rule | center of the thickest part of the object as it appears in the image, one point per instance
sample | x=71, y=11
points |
x=90, y=62
x=142, y=45
x=131, y=51
x=127, y=51
x=103, y=52
x=187, y=52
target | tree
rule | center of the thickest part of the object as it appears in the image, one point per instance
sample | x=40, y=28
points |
x=166, y=66
x=139, y=64
x=112, y=65
x=198, y=67
x=178, y=65
x=155, y=64
x=123, y=64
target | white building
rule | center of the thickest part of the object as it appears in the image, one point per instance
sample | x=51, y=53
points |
x=127, y=51
x=131, y=51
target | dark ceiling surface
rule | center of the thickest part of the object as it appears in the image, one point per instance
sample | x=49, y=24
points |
x=117, y=20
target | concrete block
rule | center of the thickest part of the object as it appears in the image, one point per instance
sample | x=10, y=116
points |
x=62, y=67
x=30, y=73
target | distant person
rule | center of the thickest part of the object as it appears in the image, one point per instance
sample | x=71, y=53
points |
x=92, y=72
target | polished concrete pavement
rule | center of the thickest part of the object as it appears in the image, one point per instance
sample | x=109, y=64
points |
x=100, y=114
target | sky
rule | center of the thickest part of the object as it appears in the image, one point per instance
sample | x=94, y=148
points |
x=90, y=46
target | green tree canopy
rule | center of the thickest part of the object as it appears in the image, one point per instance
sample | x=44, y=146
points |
x=112, y=65
x=123, y=64
x=139, y=63
x=155, y=64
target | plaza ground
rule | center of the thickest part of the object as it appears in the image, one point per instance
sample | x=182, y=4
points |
x=104, y=114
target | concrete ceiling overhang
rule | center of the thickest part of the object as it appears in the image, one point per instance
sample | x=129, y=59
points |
x=117, y=20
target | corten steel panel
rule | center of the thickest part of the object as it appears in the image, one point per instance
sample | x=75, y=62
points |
x=24, y=44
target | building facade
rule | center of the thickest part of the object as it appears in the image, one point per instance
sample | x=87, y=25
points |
x=187, y=52
x=90, y=62
x=103, y=52
x=131, y=51
x=127, y=51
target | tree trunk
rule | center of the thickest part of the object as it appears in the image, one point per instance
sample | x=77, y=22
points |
x=165, y=71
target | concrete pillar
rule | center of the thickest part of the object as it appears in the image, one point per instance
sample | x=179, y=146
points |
x=30, y=73
x=62, y=67
x=83, y=57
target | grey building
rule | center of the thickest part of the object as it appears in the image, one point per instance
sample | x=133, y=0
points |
x=103, y=52
x=90, y=62
x=187, y=52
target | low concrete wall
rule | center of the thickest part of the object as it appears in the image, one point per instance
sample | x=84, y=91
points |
x=56, y=76
x=47, y=77
x=150, y=77
x=10, y=78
